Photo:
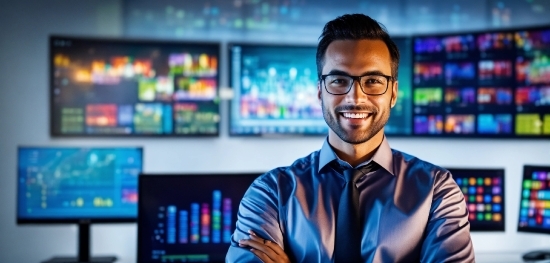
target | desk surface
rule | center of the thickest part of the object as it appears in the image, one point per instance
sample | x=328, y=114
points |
x=502, y=257
x=481, y=257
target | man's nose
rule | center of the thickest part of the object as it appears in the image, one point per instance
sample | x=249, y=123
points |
x=356, y=93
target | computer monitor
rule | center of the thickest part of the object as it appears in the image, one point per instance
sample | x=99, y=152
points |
x=489, y=84
x=78, y=185
x=534, y=210
x=188, y=217
x=534, y=207
x=483, y=190
x=400, y=121
x=123, y=87
x=274, y=90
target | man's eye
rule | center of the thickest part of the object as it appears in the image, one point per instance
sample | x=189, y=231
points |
x=339, y=81
x=372, y=81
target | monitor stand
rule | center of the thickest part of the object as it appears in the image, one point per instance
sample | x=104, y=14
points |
x=83, y=249
x=107, y=259
x=536, y=255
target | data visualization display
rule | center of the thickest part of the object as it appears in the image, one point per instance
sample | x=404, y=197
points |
x=274, y=90
x=483, y=191
x=57, y=184
x=188, y=218
x=104, y=87
x=484, y=84
x=534, y=210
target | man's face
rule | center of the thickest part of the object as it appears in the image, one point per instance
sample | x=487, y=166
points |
x=356, y=117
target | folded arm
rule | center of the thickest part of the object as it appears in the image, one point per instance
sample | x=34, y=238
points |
x=448, y=231
x=258, y=212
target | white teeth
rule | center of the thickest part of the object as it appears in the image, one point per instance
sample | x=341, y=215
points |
x=354, y=115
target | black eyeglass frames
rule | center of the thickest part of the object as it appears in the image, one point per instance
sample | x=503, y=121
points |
x=371, y=84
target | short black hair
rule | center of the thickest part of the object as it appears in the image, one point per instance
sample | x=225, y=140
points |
x=355, y=27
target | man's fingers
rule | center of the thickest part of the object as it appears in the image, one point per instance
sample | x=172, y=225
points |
x=272, y=245
x=265, y=249
x=258, y=248
x=264, y=245
x=250, y=242
x=261, y=255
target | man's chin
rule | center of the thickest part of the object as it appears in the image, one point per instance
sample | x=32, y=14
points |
x=354, y=139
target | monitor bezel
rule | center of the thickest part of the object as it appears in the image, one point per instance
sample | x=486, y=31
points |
x=215, y=45
x=495, y=172
x=72, y=220
x=527, y=171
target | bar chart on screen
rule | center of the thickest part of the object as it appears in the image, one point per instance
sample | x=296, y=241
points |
x=188, y=217
x=199, y=222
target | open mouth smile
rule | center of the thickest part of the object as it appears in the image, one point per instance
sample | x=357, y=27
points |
x=355, y=115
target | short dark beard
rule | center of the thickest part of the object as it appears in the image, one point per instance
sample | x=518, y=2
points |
x=335, y=126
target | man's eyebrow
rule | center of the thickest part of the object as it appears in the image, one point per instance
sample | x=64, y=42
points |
x=341, y=72
x=338, y=72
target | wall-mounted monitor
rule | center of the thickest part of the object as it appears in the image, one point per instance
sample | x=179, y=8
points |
x=274, y=90
x=119, y=87
x=188, y=217
x=400, y=121
x=78, y=185
x=535, y=200
x=534, y=206
x=483, y=190
x=485, y=84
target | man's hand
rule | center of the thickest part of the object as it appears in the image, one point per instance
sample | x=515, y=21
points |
x=264, y=249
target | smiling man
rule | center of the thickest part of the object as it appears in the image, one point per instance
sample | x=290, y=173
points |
x=355, y=199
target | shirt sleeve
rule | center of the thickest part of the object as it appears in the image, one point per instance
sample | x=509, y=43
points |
x=258, y=211
x=448, y=230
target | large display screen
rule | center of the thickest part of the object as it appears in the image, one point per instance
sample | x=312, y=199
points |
x=274, y=90
x=483, y=191
x=534, y=208
x=68, y=184
x=108, y=87
x=485, y=84
x=188, y=217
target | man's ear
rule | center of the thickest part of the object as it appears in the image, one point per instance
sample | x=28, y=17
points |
x=319, y=91
x=394, y=93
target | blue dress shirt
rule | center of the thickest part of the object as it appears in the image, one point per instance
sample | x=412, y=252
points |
x=412, y=211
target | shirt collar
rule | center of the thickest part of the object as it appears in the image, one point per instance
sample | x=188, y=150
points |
x=383, y=156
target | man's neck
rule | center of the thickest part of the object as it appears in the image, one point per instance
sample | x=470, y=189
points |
x=355, y=154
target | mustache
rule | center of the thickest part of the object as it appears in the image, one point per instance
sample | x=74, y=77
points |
x=355, y=108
